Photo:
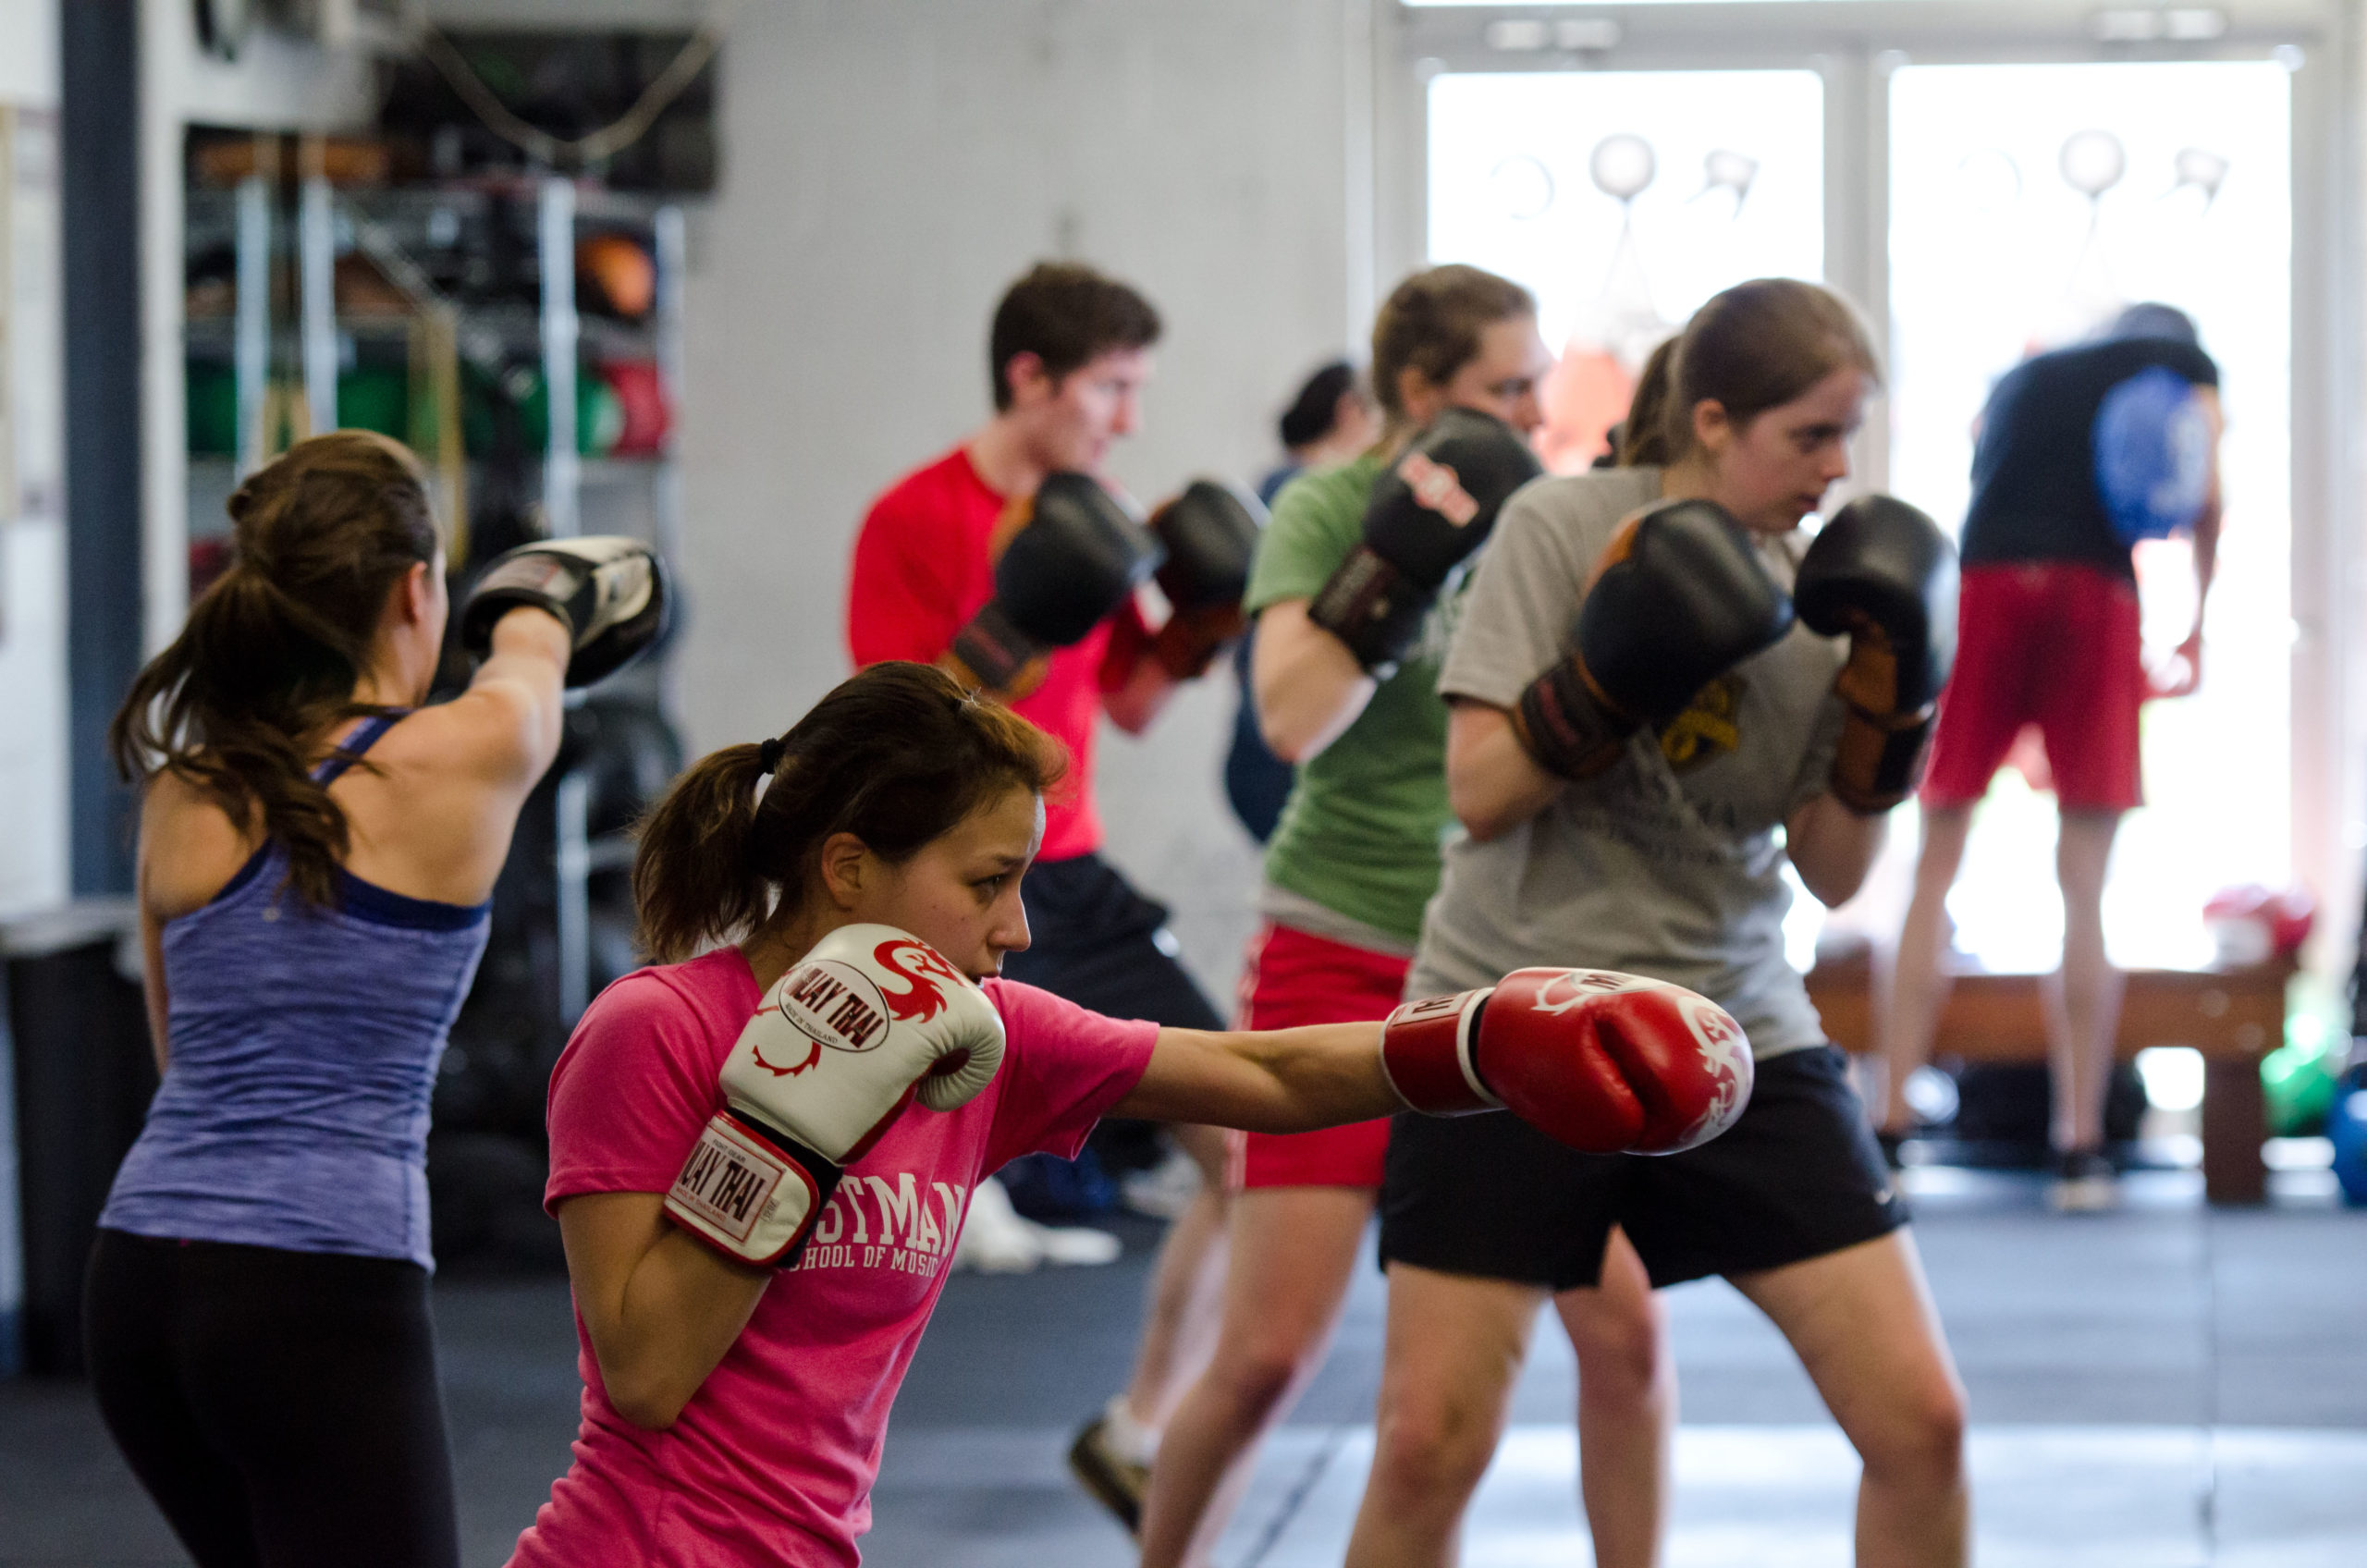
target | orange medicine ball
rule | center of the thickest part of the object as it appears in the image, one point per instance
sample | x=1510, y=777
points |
x=623, y=277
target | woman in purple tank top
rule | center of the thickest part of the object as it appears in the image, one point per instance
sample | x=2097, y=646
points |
x=311, y=918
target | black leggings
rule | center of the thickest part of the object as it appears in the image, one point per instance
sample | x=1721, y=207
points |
x=281, y=1407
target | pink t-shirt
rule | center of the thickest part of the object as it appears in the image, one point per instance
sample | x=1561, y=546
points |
x=772, y=1460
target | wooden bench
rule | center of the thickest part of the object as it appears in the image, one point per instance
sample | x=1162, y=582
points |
x=2232, y=1016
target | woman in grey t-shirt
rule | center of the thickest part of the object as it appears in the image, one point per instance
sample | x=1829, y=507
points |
x=1663, y=858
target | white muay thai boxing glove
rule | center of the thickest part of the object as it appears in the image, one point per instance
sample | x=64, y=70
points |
x=868, y=1020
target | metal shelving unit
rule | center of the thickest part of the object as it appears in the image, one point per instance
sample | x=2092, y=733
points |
x=288, y=346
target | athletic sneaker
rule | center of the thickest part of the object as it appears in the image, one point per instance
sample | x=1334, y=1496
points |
x=1164, y=1191
x=2084, y=1183
x=1116, y=1482
x=997, y=1239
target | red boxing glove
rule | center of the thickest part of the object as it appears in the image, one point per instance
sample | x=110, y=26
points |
x=1604, y=1063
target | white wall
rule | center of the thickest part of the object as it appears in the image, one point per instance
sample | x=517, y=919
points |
x=888, y=167
x=277, y=83
x=28, y=52
x=32, y=568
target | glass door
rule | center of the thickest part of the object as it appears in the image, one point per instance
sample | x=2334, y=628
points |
x=2029, y=204
x=1984, y=187
x=1622, y=200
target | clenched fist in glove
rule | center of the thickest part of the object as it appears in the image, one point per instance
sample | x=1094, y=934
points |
x=1604, y=1063
x=610, y=592
x=1432, y=509
x=1885, y=576
x=866, y=1023
x=1679, y=597
x=1075, y=558
x=1211, y=534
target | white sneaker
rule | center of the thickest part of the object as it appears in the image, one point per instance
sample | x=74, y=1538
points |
x=1164, y=1191
x=994, y=1239
x=2084, y=1183
x=997, y=1239
x=1077, y=1246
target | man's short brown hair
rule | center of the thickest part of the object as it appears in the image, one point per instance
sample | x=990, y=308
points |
x=1067, y=315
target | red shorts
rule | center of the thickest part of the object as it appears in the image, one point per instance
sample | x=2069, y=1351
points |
x=2052, y=644
x=1293, y=978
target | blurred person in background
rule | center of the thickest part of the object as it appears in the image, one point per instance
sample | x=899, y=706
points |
x=1329, y=423
x=1012, y=561
x=2081, y=453
x=1359, y=578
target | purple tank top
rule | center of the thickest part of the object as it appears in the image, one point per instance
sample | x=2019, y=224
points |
x=303, y=1049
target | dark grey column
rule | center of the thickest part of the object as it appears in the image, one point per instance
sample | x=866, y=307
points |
x=99, y=148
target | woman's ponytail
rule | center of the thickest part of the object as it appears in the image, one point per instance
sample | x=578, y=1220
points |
x=896, y=755
x=1643, y=436
x=693, y=879
x=271, y=653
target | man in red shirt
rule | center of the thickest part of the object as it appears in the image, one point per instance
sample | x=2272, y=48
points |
x=1069, y=353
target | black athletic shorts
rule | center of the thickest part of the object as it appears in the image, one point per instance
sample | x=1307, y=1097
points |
x=1798, y=1175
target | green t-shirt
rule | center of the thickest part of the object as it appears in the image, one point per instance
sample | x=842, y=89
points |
x=1360, y=833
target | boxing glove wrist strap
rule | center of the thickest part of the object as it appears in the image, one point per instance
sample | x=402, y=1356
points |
x=1426, y=1053
x=1568, y=729
x=1191, y=640
x=491, y=600
x=749, y=1191
x=993, y=649
x=1374, y=607
x=1880, y=759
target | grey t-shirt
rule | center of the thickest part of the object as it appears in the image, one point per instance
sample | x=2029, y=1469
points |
x=1667, y=864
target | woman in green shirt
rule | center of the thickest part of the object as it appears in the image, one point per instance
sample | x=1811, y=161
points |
x=1351, y=866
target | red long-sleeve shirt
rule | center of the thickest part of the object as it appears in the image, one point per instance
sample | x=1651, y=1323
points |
x=922, y=569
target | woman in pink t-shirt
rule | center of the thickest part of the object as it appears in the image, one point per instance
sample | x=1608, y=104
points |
x=733, y=1413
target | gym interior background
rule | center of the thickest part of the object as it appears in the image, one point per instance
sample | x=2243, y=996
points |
x=220, y=224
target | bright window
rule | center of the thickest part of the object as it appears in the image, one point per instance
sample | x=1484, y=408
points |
x=2027, y=204
x=1622, y=200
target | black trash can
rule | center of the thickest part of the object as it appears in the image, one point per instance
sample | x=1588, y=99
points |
x=75, y=1050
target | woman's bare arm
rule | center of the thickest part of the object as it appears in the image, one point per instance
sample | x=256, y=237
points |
x=433, y=813
x=505, y=728
x=661, y=1309
x=1832, y=848
x=1274, y=1081
x=1308, y=687
x=152, y=985
x=1492, y=784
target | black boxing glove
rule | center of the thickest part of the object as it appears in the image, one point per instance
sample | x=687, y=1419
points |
x=610, y=592
x=1883, y=575
x=1210, y=535
x=1073, y=561
x=1679, y=597
x=1428, y=513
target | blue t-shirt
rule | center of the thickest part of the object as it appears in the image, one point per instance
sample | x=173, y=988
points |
x=2085, y=450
